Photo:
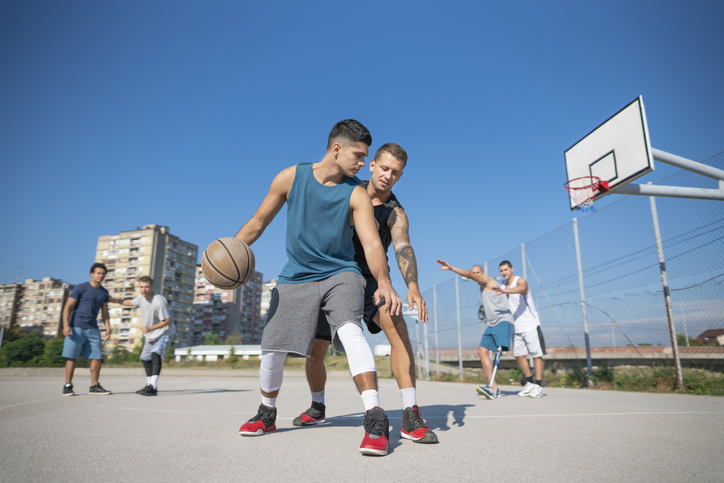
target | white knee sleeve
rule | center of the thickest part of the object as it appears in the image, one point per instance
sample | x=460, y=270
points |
x=271, y=371
x=359, y=354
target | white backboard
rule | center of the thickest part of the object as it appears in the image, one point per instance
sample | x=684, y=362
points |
x=617, y=151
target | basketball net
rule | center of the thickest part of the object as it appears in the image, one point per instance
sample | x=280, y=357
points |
x=583, y=190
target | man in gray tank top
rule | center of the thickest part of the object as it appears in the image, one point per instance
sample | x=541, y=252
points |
x=324, y=202
x=499, y=332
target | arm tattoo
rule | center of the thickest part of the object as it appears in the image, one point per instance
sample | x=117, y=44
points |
x=405, y=255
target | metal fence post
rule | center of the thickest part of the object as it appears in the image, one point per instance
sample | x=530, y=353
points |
x=437, y=347
x=426, y=348
x=460, y=335
x=583, y=300
x=667, y=297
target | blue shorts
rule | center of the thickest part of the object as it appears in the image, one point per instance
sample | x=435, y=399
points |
x=87, y=341
x=498, y=336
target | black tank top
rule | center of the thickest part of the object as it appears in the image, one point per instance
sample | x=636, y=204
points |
x=382, y=215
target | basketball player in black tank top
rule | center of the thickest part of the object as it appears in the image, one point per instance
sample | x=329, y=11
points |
x=386, y=167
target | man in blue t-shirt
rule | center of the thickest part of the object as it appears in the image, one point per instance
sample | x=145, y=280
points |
x=80, y=329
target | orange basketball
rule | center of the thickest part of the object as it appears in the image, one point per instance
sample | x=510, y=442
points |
x=228, y=263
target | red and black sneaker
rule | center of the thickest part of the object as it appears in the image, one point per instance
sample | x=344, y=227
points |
x=377, y=433
x=313, y=415
x=414, y=427
x=262, y=423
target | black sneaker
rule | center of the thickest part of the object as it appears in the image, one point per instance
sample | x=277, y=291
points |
x=313, y=415
x=414, y=427
x=98, y=390
x=377, y=433
x=148, y=391
x=143, y=389
x=68, y=389
x=263, y=422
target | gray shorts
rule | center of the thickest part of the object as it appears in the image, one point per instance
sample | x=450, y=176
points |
x=294, y=308
x=158, y=346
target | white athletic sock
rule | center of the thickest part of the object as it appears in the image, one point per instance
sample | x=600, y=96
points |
x=318, y=397
x=154, y=381
x=409, y=397
x=359, y=354
x=148, y=380
x=269, y=401
x=370, y=398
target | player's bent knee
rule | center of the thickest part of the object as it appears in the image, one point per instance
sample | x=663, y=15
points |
x=359, y=355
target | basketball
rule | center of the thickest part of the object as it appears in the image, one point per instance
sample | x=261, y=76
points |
x=228, y=263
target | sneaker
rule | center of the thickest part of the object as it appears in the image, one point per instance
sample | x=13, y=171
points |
x=262, y=423
x=68, y=389
x=98, y=390
x=487, y=391
x=143, y=389
x=377, y=433
x=536, y=392
x=414, y=427
x=497, y=393
x=148, y=391
x=527, y=389
x=313, y=415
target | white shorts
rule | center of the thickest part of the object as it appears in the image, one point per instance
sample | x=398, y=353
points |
x=529, y=342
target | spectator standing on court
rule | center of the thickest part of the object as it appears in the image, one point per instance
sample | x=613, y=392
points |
x=324, y=201
x=499, y=331
x=158, y=331
x=528, y=338
x=393, y=227
x=80, y=328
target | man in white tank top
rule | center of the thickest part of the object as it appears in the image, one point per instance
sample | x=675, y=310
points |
x=528, y=338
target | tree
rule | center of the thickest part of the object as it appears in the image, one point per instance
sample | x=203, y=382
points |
x=22, y=350
x=233, y=340
x=53, y=354
x=232, y=357
x=15, y=333
x=212, y=338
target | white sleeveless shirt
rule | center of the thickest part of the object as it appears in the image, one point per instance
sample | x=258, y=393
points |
x=524, y=312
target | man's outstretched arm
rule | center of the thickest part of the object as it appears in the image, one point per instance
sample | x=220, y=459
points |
x=275, y=199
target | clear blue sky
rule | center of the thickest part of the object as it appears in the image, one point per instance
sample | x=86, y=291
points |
x=118, y=114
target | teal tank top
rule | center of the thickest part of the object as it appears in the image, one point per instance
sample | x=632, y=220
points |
x=319, y=236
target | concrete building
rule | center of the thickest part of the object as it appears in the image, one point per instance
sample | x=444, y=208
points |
x=10, y=298
x=225, y=312
x=40, y=305
x=167, y=259
x=266, y=290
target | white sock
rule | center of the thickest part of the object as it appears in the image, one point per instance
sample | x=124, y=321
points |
x=269, y=401
x=409, y=397
x=370, y=398
x=148, y=380
x=318, y=397
x=154, y=381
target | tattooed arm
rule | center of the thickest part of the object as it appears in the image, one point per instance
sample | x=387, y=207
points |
x=405, y=255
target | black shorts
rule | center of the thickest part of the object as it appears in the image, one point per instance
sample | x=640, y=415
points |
x=369, y=314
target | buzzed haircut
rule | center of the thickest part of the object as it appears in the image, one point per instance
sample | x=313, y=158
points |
x=351, y=131
x=395, y=151
x=481, y=268
x=505, y=262
x=146, y=279
x=98, y=265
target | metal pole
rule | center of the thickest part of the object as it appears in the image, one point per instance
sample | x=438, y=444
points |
x=522, y=256
x=426, y=346
x=583, y=301
x=437, y=347
x=417, y=348
x=460, y=336
x=667, y=297
x=485, y=268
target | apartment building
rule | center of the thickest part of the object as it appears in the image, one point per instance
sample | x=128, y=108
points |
x=35, y=305
x=10, y=298
x=225, y=312
x=266, y=290
x=167, y=259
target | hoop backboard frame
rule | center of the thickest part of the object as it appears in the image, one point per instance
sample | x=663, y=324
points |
x=617, y=151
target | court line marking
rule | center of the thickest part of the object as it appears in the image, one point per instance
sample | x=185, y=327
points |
x=23, y=403
x=655, y=413
x=144, y=409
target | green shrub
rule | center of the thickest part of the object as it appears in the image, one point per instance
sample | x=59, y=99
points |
x=603, y=373
x=24, y=349
x=53, y=354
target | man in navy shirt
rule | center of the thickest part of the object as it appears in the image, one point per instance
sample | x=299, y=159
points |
x=80, y=329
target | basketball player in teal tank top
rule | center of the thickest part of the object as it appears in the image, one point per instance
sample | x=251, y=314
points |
x=324, y=203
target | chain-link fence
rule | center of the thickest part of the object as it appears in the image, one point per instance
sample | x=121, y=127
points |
x=619, y=284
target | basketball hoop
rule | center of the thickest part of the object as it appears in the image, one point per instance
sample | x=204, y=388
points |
x=583, y=190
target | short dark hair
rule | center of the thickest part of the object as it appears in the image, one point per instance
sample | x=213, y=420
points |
x=395, y=151
x=349, y=130
x=145, y=279
x=98, y=265
x=505, y=262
